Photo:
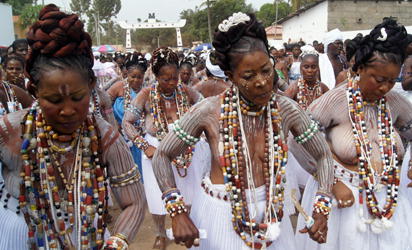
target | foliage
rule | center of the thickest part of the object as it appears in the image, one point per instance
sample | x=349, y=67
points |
x=99, y=15
x=29, y=15
x=18, y=5
x=196, y=26
x=267, y=13
x=297, y=4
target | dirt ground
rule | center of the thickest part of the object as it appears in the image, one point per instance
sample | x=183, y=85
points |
x=145, y=237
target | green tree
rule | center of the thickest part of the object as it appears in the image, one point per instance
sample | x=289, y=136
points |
x=29, y=15
x=196, y=27
x=19, y=5
x=267, y=13
x=99, y=14
x=297, y=4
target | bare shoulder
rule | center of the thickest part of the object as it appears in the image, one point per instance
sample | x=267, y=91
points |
x=116, y=89
x=323, y=87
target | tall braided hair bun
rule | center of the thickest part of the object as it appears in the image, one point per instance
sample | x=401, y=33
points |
x=57, y=35
x=137, y=60
x=238, y=34
x=387, y=40
x=161, y=57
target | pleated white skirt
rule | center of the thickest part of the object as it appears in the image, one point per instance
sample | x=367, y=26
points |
x=342, y=224
x=215, y=217
x=199, y=166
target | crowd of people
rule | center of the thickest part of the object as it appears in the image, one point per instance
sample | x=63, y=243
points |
x=229, y=142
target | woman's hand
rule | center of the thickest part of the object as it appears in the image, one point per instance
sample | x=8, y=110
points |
x=343, y=195
x=184, y=231
x=319, y=231
x=149, y=152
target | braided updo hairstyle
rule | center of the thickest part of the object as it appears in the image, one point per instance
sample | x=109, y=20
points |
x=136, y=61
x=241, y=38
x=161, y=57
x=387, y=41
x=58, y=41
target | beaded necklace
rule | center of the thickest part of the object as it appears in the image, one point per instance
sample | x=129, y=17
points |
x=13, y=104
x=369, y=179
x=160, y=122
x=237, y=170
x=95, y=104
x=54, y=209
x=307, y=94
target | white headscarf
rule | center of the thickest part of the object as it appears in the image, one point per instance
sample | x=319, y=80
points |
x=214, y=69
x=331, y=37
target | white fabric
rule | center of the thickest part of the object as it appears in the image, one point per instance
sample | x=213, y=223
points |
x=215, y=216
x=296, y=175
x=342, y=224
x=13, y=229
x=404, y=175
x=331, y=37
x=214, y=69
x=200, y=162
x=294, y=72
x=327, y=75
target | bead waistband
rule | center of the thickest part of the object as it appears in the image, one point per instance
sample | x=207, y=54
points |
x=7, y=201
x=218, y=191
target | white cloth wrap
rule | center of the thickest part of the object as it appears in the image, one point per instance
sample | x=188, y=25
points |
x=195, y=172
x=215, y=216
x=327, y=75
x=404, y=176
x=342, y=224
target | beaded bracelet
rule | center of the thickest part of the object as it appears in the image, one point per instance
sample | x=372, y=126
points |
x=116, y=242
x=323, y=204
x=128, y=181
x=121, y=176
x=308, y=134
x=141, y=143
x=183, y=135
x=174, y=203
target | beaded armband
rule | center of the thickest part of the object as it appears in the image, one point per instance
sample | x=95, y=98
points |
x=323, y=204
x=125, y=179
x=183, y=135
x=116, y=242
x=140, y=143
x=174, y=202
x=308, y=134
x=134, y=110
x=406, y=127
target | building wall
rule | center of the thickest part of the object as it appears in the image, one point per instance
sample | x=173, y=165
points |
x=6, y=27
x=310, y=25
x=365, y=14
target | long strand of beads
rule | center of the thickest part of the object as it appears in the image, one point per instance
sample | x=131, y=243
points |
x=369, y=181
x=232, y=161
x=52, y=216
x=307, y=94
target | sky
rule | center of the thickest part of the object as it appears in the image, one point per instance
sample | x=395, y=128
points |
x=166, y=10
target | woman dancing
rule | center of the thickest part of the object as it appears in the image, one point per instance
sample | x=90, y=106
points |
x=159, y=106
x=241, y=201
x=58, y=158
x=364, y=123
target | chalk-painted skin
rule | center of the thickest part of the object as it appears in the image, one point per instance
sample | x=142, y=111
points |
x=70, y=93
x=253, y=76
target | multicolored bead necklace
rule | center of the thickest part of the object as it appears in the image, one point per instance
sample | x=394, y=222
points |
x=160, y=122
x=369, y=179
x=307, y=94
x=237, y=170
x=54, y=210
x=13, y=104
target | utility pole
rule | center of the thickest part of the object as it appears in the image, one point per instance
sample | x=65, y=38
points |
x=209, y=25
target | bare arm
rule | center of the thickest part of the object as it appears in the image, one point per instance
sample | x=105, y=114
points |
x=106, y=107
x=25, y=99
x=171, y=146
x=194, y=95
x=134, y=114
x=114, y=90
x=299, y=122
x=130, y=197
x=407, y=74
x=292, y=90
